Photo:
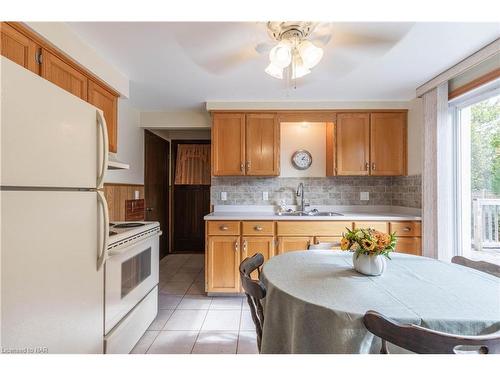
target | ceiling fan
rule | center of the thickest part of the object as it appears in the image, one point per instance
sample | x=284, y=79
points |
x=221, y=47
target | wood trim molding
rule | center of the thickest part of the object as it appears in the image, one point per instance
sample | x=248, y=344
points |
x=45, y=44
x=488, y=77
x=467, y=63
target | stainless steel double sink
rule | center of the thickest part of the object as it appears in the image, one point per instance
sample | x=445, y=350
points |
x=313, y=212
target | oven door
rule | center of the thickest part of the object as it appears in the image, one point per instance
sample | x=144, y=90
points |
x=131, y=272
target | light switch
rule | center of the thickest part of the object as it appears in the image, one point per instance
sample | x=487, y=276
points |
x=364, y=195
x=223, y=196
x=265, y=196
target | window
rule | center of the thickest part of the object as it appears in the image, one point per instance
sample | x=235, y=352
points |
x=476, y=118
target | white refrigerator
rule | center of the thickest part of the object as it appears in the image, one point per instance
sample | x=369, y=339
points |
x=54, y=221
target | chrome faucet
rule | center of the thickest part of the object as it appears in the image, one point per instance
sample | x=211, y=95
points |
x=300, y=193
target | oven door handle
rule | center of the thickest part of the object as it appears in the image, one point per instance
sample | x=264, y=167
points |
x=105, y=228
x=125, y=247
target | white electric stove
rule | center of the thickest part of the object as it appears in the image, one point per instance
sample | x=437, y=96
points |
x=131, y=283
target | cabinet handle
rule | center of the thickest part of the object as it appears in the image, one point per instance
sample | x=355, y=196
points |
x=373, y=166
x=248, y=163
x=367, y=166
x=241, y=167
x=245, y=246
x=223, y=227
x=258, y=228
x=236, y=245
x=406, y=229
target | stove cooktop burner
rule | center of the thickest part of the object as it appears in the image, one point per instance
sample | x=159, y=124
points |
x=128, y=225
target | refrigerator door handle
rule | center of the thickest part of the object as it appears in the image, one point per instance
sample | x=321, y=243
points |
x=105, y=148
x=105, y=219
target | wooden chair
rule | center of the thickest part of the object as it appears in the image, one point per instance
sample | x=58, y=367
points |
x=490, y=268
x=426, y=341
x=255, y=291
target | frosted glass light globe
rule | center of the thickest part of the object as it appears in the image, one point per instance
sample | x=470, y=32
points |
x=310, y=54
x=281, y=55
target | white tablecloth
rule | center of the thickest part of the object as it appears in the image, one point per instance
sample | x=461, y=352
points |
x=316, y=301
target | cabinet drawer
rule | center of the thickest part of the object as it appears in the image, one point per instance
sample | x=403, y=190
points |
x=312, y=228
x=258, y=228
x=335, y=240
x=406, y=228
x=222, y=228
x=409, y=245
x=381, y=226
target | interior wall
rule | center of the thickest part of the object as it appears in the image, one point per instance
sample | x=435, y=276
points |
x=130, y=146
x=175, y=119
x=308, y=136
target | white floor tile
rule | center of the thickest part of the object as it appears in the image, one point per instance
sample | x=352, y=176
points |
x=247, y=323
x=160, y=320
x=211, y=342
x=222, y=320
x=247, y=343
x=198, y=287
x=195, y=302
x=144, y=342
x=226, y=303
x=182, y=276
x=186, y=320
x=175, y=287
x=173, y=342
x=168, y=301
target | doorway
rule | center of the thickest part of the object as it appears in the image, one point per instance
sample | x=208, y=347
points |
x=477, y=123
x=190, y=194
x=156, y=178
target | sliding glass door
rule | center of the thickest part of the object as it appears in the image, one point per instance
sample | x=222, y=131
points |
x=476, y=117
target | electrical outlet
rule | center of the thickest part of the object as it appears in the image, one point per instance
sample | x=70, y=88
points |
x=265, y=196
x=223, y=196
x=364, y=195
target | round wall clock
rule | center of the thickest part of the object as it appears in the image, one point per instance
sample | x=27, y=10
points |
x=302, y=159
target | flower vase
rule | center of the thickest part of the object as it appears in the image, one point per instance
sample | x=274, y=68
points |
x=371, y=265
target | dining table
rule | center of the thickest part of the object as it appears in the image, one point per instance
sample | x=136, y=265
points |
x=316, y=301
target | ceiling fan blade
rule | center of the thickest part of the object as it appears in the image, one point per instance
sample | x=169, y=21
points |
x=369, y=34
x=322, y=34
x=218, y=47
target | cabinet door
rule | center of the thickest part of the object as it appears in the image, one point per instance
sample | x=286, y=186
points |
x=19, y=48
x=223, y=260
x=254, y=245
x=228, y=139
x=330, y=239
x=388, y=144
x=63, y=75
x=409, y=245
x=262, y=145
x=286, y=244
x=107, y=102
x=353, y=144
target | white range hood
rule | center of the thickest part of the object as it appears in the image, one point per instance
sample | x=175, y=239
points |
x=114, y=163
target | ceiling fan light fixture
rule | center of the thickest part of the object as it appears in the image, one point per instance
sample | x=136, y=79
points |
x=310, y=54
x=274, y=71
x=299, y=70
x=281, y=55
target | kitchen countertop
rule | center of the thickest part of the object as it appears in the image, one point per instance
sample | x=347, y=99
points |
x=349, y=213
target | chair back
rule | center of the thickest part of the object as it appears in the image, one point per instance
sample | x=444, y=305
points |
x=255, y=291
x=324, y=246
x=426, y=341
x=490, y=268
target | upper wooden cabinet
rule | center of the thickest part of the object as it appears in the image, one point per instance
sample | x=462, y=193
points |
x=245, y=144
x=388, y=144
x=63, y=75
x=261, y=146
x=353, y=144
x=228, y=144
x=19, y=48
x=107, y=102
x=361, y=144
x=28, y=49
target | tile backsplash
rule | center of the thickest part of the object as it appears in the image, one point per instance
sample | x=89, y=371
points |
x=403, y=191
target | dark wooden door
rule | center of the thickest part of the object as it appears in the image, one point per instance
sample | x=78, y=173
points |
x=189, y=204
x=156, y=176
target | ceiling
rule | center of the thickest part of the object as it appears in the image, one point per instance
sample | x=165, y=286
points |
x=180, y=66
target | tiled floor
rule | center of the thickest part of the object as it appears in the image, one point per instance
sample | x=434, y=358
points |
x=190, y=322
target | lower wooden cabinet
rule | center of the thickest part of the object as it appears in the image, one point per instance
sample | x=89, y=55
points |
x=286, y=244
x=223, y=260
x=409, y=245
x=331, y=239
x=254, y=245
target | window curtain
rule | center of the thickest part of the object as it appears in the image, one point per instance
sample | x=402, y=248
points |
x=192, y=165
